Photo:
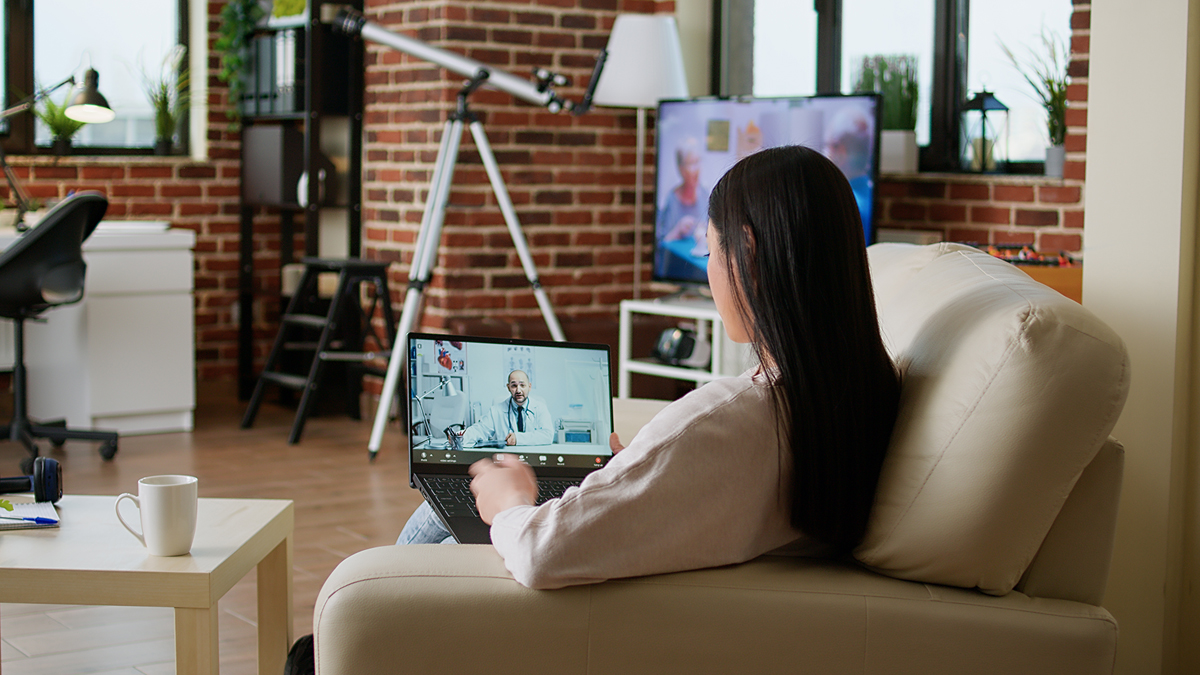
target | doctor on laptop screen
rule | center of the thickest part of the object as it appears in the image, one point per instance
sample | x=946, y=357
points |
x=520, y=419
x=550, y=403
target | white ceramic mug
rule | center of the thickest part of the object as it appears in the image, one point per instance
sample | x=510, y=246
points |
x=168, y=509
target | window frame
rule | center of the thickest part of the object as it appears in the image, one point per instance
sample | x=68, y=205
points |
x=18, y=139
x=951, y=39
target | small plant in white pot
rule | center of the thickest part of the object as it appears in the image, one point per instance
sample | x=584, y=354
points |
x=1046, y=74
x=894, y=78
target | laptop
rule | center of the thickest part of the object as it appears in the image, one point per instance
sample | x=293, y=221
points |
x=467, y=395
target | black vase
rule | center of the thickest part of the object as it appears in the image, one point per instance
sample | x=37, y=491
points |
x=162, y=146
x=61, y=146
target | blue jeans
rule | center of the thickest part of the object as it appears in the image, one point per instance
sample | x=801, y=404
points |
x=423, y=527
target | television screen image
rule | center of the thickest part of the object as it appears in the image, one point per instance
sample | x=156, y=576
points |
x=700, y=139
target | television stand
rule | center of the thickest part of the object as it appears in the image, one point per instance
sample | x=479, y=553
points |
x=687, y=293
x=700, y=309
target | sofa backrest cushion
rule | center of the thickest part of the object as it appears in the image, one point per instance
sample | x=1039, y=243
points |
x=1008, y=391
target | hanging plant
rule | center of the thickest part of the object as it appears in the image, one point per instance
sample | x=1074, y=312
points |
x=238, y=20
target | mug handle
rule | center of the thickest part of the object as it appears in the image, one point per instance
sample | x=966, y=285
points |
x=117, y=507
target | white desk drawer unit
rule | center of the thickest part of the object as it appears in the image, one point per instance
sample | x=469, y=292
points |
x=123, y=358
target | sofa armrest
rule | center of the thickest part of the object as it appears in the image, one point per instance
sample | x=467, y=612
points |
x=1073, y=561
x=454, y=609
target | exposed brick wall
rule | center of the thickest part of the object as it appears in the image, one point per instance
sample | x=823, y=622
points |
x=200, y=196
x=1046, y=213
x=571, y=179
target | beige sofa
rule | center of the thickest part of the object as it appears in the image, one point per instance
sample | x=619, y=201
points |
x=987, y=552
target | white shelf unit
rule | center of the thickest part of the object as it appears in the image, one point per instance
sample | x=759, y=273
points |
x=708, y=324
x=123, y=357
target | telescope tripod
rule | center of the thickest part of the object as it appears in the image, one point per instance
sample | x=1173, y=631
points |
x=429, y=237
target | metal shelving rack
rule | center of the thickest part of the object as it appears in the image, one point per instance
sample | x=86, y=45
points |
x=316, y=132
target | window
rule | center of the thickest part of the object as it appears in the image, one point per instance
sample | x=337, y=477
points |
x=802, y=48
x=70, y=36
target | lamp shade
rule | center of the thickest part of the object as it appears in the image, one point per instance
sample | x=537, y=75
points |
x=87, y=103
x=644, y=64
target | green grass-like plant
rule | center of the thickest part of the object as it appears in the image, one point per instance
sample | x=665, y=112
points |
x=55, y=117
x=1047, y=75
x=894, y=77
x=168, y=93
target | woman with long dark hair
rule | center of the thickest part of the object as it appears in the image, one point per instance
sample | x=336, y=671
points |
x=783, y=457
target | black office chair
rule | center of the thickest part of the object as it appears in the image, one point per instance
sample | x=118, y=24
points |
x=44, y=268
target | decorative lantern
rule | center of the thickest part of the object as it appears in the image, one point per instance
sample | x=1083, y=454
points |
x=985, y=134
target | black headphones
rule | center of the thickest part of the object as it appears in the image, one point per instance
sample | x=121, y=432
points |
x=45, y=483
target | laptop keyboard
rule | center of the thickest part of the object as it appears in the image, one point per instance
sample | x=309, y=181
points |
x=453, y=493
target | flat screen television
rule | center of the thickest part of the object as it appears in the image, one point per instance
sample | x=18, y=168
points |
x=699, y=139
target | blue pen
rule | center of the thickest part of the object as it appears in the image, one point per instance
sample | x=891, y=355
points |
x=37, y=520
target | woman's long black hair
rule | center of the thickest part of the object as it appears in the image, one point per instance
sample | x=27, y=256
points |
x=787, y=221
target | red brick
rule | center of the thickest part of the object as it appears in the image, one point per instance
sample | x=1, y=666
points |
x=928, y=190
x=1076, y=117
x=1066, y=194
x=974, y=191
x=150, y=172
x=991, y=214
x=968, y=236
x=133, y=190
x=102, y=172
x=1036, y=218
x=55, y=172
x=1013, y=193
x=1074, y=170
x=206, y=209
x=907, y=211
x=1053, y=243
x=1073, y=219
x=1000, y=236
x=1081, y=19
x=891, y=188
x=947, y=213
x=149, y=209
x=185, y=190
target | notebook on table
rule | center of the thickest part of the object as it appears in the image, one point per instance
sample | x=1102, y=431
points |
x=467, y=395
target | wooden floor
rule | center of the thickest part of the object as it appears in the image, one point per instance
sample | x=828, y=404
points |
x=343, y=503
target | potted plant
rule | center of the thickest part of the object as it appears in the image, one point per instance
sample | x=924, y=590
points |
x=1047, y=75
x=62, y=128
x=894, y=78
x=168, y=94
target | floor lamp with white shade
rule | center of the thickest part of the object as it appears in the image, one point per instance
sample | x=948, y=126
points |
x=644, y=66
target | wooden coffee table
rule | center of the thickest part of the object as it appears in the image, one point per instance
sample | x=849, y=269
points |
x=91, y=560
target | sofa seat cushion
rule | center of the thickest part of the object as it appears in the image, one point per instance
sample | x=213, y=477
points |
x=456, y=609
x=1008, y=390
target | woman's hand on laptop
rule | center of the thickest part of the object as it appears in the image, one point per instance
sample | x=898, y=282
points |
x=500, y=484
x=614, y=442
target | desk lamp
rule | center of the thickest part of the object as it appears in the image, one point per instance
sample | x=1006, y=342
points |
x=644, y=66
x=451, y=390
x=88, y=106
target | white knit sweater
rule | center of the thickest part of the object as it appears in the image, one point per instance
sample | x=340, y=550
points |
x=703, y=484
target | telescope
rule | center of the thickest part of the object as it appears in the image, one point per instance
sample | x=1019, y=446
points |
x=539, y=92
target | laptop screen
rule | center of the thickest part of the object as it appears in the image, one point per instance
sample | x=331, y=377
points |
x=550, y=403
